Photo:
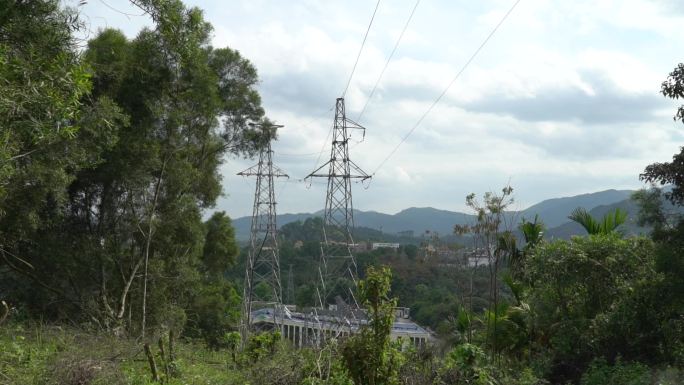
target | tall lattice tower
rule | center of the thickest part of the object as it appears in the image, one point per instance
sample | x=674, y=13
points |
x=337, y=259
x=262, y=288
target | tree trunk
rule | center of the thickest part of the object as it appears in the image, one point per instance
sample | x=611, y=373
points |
x=153, y=364
x=5, y=312
x=148, y=242
x=127, y=287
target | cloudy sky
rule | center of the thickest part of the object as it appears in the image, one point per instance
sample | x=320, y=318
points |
x=564, y=99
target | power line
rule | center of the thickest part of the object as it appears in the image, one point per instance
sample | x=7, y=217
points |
x=307, y=124
x=472, y=57
x=351, y=75
x=307, y=154
x=370, y=96
x=128, y=15
x=324, y=143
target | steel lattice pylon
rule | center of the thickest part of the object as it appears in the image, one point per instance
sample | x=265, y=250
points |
x=337, y=258
x=262, y=288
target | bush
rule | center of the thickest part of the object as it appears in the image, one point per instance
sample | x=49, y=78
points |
x=602, y=373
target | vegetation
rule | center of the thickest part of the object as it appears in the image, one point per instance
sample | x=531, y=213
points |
x=608, y=224
x=129, y=201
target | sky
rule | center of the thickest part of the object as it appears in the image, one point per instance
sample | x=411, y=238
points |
x=564, y=99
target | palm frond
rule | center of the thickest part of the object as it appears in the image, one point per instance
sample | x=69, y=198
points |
x=581, y=216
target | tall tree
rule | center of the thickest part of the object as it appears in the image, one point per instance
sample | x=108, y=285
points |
x=128, y=244
x=50, y=128
x=43, y=81
x=493, y=237
x=670, y=173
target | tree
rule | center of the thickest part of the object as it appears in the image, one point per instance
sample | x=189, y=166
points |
x=579, y=291
x=665, y=296
x=651, y=210
x=369, y=355
x=671, y=173
x=411, y=251
x=43, y=81
x=122, y=240
x=673, y=88
x=51, y=128
x=608, y=224
x=189, y=104
x=494, y=238
x=533, y=235
x=220, y=248
x=533, y=232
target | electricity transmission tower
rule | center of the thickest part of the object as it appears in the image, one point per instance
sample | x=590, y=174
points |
x=262, y=288
x=337, y=261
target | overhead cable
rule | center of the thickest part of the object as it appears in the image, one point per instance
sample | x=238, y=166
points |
x=434, y=103
x=363, y=43
x=375, y=86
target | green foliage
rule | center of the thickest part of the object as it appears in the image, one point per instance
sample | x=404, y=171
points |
x=104, y=218
x=651, y=210
x=466, y=356
x=673, y=88
x=232, y=341
x=215, y=308
x=670, y=173
x=43, y=81
x=493, y=238
x=578, y=287
x=608, y=224
x=220, y=248
x=532, y=232
x=411, y=251
x=600, y=373
x=370, y=357
x=311, y=229
x=261, y=345
x=511, y=329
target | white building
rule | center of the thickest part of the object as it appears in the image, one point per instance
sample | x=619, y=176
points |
x=304, y=329
x=384, y=245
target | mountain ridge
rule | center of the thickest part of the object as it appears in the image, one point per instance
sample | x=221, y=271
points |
x=553, y=212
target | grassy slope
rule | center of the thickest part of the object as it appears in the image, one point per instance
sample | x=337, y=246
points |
x=55, y=355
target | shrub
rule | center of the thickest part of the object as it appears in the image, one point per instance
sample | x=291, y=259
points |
x=602, y=373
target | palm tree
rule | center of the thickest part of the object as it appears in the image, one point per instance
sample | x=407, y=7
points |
x=533, y=232
x=607, y=225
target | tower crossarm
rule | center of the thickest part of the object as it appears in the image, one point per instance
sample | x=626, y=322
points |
x=255, y=171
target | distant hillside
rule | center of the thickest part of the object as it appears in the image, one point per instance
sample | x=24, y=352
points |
x=243, y=224
x=568, y=229
x=554, y=212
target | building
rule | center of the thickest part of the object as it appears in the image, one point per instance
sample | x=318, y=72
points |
x=384, y=245
x=315, y=326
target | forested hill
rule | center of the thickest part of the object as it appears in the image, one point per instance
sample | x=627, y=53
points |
x=554, y=212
